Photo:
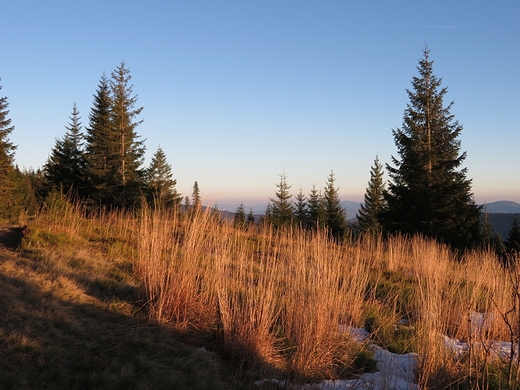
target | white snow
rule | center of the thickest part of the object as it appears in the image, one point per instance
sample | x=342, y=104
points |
x=394, y=371
x=500, y=349
x=398, y=372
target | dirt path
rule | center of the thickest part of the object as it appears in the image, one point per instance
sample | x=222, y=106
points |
x=10, y=237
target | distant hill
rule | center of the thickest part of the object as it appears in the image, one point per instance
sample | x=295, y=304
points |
x=500, y=213
x=351, y=207
x=259, y=209
x=501, y=222
x=503, y=206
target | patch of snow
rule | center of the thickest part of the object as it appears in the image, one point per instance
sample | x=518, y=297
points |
x=359, y=335
x=395, y=372
x=500, y=349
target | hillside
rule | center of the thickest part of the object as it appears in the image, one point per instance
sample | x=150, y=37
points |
x=73, y=320
x=121, y=300
x=503, y=206
x=501, y=223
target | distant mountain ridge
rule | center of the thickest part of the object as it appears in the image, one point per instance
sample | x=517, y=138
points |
x=502, y=207
x=352, y=208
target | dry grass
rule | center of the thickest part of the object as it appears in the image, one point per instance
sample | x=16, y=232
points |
x=275, y=298
x=99, y=288
x=72, y=317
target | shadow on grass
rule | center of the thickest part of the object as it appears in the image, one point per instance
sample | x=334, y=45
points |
x=67, y=328
x=48, y=342
x=51, y=338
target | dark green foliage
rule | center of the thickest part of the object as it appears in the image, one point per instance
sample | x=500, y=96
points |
x=129, y=174
x=114, y=153
x=428, y=192
x=187, y=204
x=336, y=217
x=101, y=148
x=369, y=212
x=316, y=214
x=7, y=171
x=489, y=238
x=65, y=168
x=486, y=230
x=250, y=217
x=162, y=191
x=268, y=215
x=25, y=194
x=500, y=222
x=281, y=213
x=301, y=215
x=195, y=196
x=239, y=219
x=36, y=183
x=513, y=238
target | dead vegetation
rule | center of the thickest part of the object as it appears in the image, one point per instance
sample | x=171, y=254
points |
x=162, y=300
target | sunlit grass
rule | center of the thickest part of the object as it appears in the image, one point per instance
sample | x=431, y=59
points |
x=271, y=302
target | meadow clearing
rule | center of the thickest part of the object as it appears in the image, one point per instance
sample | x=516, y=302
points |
x=156, y=299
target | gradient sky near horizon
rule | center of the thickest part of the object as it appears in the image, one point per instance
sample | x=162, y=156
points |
x=238, y=92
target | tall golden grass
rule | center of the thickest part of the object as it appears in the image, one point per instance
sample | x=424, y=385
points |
x=277, y=298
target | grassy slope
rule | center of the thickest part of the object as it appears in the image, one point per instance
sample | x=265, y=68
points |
x=70, y=321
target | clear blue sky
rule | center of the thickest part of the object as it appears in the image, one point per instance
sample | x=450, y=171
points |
x=238, y=92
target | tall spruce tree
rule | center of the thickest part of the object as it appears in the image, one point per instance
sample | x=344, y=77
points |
x=162, y=186
x=114, y=153
x=336, y=217
x=65, y=168
x=129, y=174
x=282, y=212
x=369, y=213
x=7, y=169
x=428, y=193
x=101, y=149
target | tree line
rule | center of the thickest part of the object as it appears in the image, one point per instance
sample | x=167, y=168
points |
x=428, y=191
x=104, y=166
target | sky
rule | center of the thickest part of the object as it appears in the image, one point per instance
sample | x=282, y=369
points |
x=237, y=93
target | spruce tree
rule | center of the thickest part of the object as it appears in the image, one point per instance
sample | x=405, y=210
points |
x=369, y=213
x=101, y=149
x=7, y=169
x=428, y=193
x=316, y=214
x=162, y=190
x=513, y=238
x=336, y=217
x=239, y=218
x=268, y=215
x=195, y=196
x=24, y=193
x=497, y=243
x=486, y=230
x=187, y=204
x=300, y=209
x=129, y=174
x=65, y=168
x=282, y=208
x=250, y=217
